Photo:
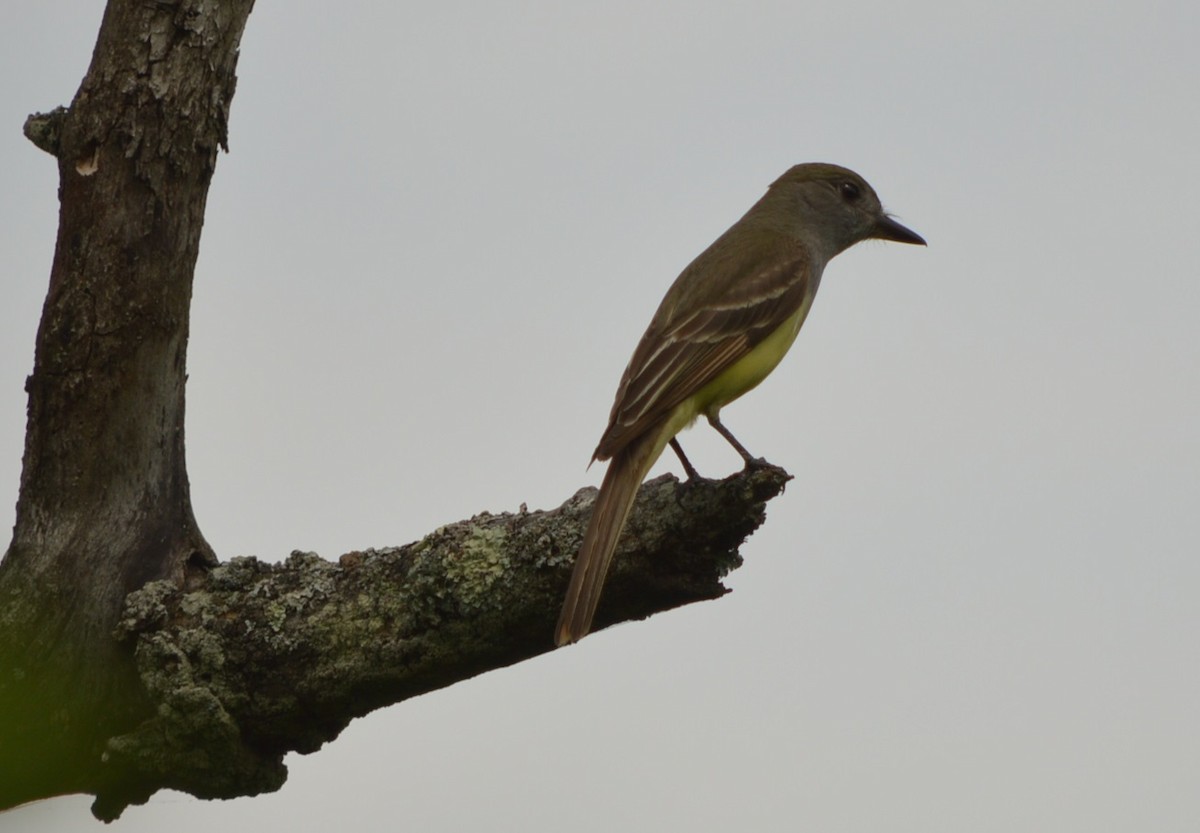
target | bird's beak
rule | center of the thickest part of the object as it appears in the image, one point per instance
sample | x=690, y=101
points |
x=888, y=229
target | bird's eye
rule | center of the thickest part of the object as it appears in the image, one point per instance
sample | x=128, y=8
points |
x=850, y=191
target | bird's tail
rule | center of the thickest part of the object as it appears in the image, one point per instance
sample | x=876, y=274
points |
x=626, y=471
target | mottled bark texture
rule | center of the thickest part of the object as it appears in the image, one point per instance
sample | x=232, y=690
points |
x=129, y=661
x=103, y=504
x=258, y=660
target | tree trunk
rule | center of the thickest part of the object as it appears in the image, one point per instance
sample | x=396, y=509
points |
x=104, y=505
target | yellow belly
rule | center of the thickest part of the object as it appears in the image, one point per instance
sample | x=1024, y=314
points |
x=742, y=376
x=747, y=372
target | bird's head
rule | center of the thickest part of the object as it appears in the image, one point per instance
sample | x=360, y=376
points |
x=831, y=208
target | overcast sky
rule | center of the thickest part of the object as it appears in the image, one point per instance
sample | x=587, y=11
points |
x=440, y=232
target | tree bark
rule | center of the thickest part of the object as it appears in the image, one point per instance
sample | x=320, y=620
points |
x=129, y=661
x=103, y=504
x=258, y=660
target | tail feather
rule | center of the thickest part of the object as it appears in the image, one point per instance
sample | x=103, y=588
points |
x=626, y=471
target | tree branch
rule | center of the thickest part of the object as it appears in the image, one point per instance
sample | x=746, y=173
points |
x=129, y=660
x=256, y=660
x=45, y=129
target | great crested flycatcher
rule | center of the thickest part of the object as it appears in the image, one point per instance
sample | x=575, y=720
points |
x=723, y=326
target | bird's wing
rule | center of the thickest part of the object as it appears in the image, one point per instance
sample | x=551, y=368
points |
x=702, y=329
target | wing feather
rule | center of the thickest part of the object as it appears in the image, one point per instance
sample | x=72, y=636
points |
x=701, y=329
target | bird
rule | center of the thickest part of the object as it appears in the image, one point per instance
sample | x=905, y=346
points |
x=722, y=327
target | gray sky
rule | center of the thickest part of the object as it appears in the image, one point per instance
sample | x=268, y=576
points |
x=440, y=233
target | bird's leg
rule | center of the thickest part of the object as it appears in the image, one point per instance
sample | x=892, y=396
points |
x=687, y=465
x=715, y=422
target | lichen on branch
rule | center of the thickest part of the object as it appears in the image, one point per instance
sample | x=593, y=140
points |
x=256, y=660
